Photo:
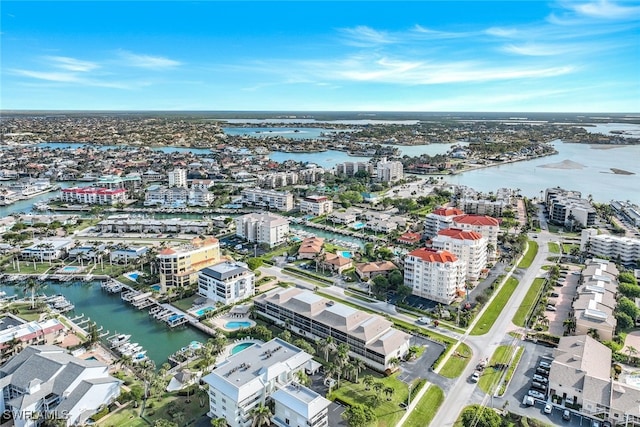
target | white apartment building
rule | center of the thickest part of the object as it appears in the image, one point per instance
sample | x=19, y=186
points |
x=439, y=219
x=568, y=209
x=179, y=265
x=93, y=195
x=226, y=282
x=279, y=200
x=371, y=337
x=626, y=250
x=351, y=168
x=264, y=227
x=278, y=179
x=316, y=205
x=175, y=197
x=488, y=226
x=469, y=246
x=435, y=275
x=253, y=376
x=178, y=178
x=48, y=380
x=297, y=406
x=389, y=171
x=47, y=249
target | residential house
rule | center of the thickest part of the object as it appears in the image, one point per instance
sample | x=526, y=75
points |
x=369, y=270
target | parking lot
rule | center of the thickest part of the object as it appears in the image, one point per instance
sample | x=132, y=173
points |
x=562, y=303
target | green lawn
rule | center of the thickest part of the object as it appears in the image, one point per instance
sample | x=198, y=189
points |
x=426, y=409
x=532, y=250
x=456, y=362
x=493, y=310
x=527, y=304
x=388, y=412
x=490, y=379
x=568, y=247
x=554, y=248
x=512, y=368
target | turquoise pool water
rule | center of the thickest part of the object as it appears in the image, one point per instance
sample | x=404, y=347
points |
x=358, y=225
x=155, y=287
x=240, y=347
x=237, y=325
x=134, y=276
x=70, y=269
x=203, y=311
x=345, y=254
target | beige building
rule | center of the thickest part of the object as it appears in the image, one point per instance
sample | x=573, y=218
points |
x=435, y=275
x=369, y=270
x=488, y=226
x=179, y=265
x=265, y=227
x=469, y=246
x=581, y=374
x=316, y=205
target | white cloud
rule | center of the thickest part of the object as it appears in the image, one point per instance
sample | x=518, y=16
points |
x=147, y=61
x=535, y=49
x=367, y=36
x=502, y=32
x=604, y=9
x=76, y=79
x=71, y=64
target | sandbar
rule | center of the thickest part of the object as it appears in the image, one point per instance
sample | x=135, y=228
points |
x=565, y=164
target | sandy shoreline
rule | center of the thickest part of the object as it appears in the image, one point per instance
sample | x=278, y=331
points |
x=565, y=164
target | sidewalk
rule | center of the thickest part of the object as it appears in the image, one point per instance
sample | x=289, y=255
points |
x=413, y=404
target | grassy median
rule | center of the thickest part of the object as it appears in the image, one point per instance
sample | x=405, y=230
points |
x=492, y=312
x=426, y=409
x=532, y=251
x=528, y=303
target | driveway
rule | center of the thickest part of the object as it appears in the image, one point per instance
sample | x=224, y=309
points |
x=421, y=368
x=562, y=304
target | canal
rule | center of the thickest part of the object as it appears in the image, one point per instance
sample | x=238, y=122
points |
x=114, y=315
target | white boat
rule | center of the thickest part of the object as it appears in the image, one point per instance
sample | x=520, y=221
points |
x=119, y=340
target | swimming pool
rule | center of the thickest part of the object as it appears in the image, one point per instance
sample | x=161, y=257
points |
x=240, y=347
x=156, y=287
x=237, y=325
x=70, y=269
x=133, y=275
x=345, y=254
x=203, y=311
x=358, y=225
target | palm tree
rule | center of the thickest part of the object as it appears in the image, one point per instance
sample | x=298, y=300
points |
x=378, y=386
x=261, y=415
x=218, y=422
x=368, y=382
x=358, y=365
x=631, y=351
x=389, y=391
x=32, y=286
x=202, y=396
x=394, y=362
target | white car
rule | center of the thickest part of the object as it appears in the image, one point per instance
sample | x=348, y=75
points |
x=548, y=408
x=536, y=394
x=424, y=320
x=475, y=377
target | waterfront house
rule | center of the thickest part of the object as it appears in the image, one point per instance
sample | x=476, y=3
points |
x=371, y=337
x=310, y=248
x=47, y=249
x=47, y=380
x=252, y=377
x=126, y=254
x=226, y=282
x=336, y=263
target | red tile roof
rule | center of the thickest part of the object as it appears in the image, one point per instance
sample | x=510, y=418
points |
x=431, y=255
x=93, y=190
x=476, y=220
x=167, y=251
x=448, y=211
x=410, y=237
x=456, y=233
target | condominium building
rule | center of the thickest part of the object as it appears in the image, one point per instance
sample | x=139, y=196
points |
x=47, y=249
x=49, y=331
x=93, y=195
x=130, y=182
x=351, y=168
x=179, y=265
x=568, y=209
x=259, y=374
x=175, y=197
x=439, y=219
x=627, y=210
x=389, y=171
x=370, y=337
x=46, y=380
x=435, y=275
x=625, y=250
x=316, y=205
x=487, y=226
x=278, y=179
x=279, y=200
x=580, y=374
x=178, y=178
x=267, y=228
x=469, y=246
x=226, y=282
x=131, y=224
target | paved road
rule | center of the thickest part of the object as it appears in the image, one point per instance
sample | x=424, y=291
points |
x=462, y=392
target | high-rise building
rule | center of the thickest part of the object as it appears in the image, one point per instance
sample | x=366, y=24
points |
x=469, y=246
x=178, y=178
x=226, y=282
x=435, y=275
x=264, y=227
x=179, y=265
x=389, y=170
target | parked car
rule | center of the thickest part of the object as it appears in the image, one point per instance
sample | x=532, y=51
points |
x=539, y=386
x=566, y=415
x=550, y=307
x=475, y=377
x=542, y=371
x=555, y=294
x=548, y=408
x=544, y=364
x=528, y=401
x=536, y=394
x=540, y=378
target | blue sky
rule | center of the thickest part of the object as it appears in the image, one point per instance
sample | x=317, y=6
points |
x=564, y=56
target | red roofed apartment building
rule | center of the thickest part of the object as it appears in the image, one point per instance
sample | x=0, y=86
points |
x=469, y=246
x=435, y=275
x=439, y=219
x=93, y=195
x=485, y=225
